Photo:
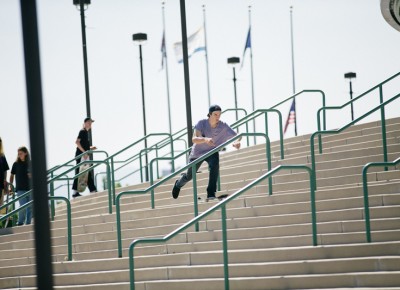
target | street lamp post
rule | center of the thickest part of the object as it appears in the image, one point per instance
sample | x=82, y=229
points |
x=140, y=39
x=349, y=76
x=82, y=4
x=234, y=61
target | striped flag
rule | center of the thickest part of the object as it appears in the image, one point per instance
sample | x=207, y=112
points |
x=195, y=43
x=291, y=119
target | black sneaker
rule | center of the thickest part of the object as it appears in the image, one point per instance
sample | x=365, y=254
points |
x=175, y=191
x=76, y=194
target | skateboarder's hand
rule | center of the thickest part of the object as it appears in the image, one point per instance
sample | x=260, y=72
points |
x=209, y=141
x=236, y=145
x=93, y=147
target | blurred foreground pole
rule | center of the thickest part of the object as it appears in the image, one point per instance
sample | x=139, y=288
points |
x=186, y=73
x=44, y=269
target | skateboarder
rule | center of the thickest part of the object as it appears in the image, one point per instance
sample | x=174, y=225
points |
x=208, y=134
x=83, y=145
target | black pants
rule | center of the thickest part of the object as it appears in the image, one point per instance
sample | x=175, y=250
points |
x=213, y=164
x=91, y=185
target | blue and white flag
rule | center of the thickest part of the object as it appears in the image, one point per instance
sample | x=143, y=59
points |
x=247, y=45
x=163, y=51
x=196, y=42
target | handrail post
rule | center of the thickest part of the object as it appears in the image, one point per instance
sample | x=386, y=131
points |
x=52, y=207
x=383, y=126
x=268, y=153
x=172, y=153
x=112, y=176
x=140, y=167
x=118, y=217
x=195, y=204
x=151, y=183
x=319, y=129
x=158, y=172
x=366, y=203
x=323, y=105
x=225, y=246
x=313, y=167
x=281, y=135
x=313, y=208
x=111, y=200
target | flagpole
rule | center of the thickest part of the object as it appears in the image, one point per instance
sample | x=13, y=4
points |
x=293, y=76
x=252, y=76
x=206, y=55
x=166, y=69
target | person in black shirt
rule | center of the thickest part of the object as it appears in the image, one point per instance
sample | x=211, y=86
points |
x=21, y=171
x=83, y=145
x=3, y=172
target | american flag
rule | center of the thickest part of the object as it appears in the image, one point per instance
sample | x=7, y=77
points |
x=291, y=119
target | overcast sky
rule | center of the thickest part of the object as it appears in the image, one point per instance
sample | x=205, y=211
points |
x=331, y=37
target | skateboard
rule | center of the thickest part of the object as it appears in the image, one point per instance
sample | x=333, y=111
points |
x=83, y=179
x=219, y=198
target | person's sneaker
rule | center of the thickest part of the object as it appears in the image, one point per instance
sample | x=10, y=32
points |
x=175, y=191
x=76, y=194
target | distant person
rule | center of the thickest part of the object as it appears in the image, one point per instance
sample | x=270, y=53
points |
x=208, y=134
x=21, y=171
x=3, y=172
x=83, y=145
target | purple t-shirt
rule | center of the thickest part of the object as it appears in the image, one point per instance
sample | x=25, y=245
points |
x=219, y=135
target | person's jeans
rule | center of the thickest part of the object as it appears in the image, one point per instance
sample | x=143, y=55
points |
x=213, y=164
x=27, y=212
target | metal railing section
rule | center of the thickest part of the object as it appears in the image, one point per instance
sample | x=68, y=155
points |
x=91, y=162
x=258, y=113
x=69, y=223
x=337, y=131
x=378, y=86
x=191, y=165
x=222, y=205
x=365, y=191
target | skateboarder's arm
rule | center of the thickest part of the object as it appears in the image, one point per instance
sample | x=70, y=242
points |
x=199, y=139
x=78, y=144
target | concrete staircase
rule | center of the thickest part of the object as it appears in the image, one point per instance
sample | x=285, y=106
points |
x=270, y=237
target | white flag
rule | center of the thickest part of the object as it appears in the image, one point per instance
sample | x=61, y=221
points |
x=196, y=42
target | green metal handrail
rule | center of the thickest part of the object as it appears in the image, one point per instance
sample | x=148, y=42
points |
x=365, y=190
x=111, y=158
x=378, y=86
x=245, y=114
x=337, y=131
x=91, y=162
x=8, y=197
x=258, y=113
x=69, y=227
x=66, y=164
x=222, y=205
x=191, y=165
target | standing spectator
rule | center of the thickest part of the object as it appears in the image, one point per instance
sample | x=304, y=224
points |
x=83, y=145
x=21, y=171
x=3, y=172
x=208, y=134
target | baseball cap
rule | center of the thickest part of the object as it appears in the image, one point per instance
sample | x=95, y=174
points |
x=214, y=108
x=88, y=119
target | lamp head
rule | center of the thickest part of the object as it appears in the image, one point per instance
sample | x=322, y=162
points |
x=350, y=75
x=139, y=38
x=233, y=60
